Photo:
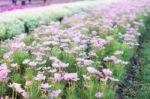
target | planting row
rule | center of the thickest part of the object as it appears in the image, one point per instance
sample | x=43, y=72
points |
x=19, y=21
x=82, y=57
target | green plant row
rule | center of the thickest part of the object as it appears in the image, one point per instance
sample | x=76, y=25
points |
x=20, y=21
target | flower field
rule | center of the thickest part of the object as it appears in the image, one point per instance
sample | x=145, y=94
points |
x=83, y=56
x=34, y=3
x=19, y=21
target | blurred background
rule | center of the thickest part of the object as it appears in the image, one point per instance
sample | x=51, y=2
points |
x=26, y=2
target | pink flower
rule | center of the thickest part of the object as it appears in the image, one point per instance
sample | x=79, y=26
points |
x=4, y=72
x=118, y=61
x=88, y=62
x=57, y=77
x=57, y=63
x=26, y=61
x=71, y=77
x=107, y=72
x=98, y=95
x=32, y=64
x=94, y=33
x=14, y=65
x=98, y=42
x=118, y=52
x=40, y=76
x=110, y=58
x=25, y=95
x=55, y=93
x=17, y=87
x=92, y=70
x=7, y=55
x=17, y=45
x=38, y=54
x=45, y=86
x=92, y=53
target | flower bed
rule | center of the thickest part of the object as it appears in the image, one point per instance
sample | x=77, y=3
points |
x=28, y=19
x=82, y=57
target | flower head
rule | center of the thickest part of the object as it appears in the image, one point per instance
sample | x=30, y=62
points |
x=40, y=76
x=55, y=93
x=57, y=77
x=71, y=77
x=92, y=70
x=4, y=72
x=98, y=95
x=45, y=86
x=107, y=72
x=17, y=87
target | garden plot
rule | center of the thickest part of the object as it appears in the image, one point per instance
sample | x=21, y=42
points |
x=84, y=56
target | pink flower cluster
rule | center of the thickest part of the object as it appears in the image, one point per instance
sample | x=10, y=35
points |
x=4, y=71
x=57, y=63
x=71, y=77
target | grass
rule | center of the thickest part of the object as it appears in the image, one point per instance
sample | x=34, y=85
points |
x=144, y=91
x=140, y=86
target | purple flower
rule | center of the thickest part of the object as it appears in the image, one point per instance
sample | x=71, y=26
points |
x=7, y=55
x=32, y=64
x=25, y=95
x=88, y=62
x=57, y=77
x=14, y=65
x=107, y=72
x=92, y=70
x=118, y=52
x=26, y=61
x=17, y=87
x=40, y=76
x=94, y=33
x=54, y=93
x=98, y=95
x=4, y=71
x=71, y=77
x=45, y=86
x=57, y=63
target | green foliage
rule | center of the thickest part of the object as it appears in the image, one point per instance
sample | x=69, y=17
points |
x=16, y=22
x=19, y=56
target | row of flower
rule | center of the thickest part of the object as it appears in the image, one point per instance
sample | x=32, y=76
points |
x=20, y=21
x=81, y=57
